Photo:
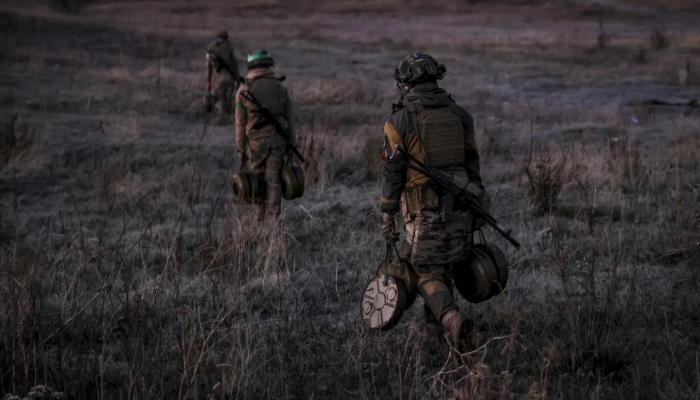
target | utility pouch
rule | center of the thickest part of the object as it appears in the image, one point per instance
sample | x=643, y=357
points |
x=428, y=200
x=411, y=200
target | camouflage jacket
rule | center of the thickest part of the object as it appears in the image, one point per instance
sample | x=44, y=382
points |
x=399, y=129
x=219, y=52
x=272, y=95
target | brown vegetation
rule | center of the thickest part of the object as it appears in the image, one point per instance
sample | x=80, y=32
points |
x=127, y=272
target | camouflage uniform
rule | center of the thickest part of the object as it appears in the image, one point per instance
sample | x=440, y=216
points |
x=224, y=81
x=431, y=126
x=267, y=147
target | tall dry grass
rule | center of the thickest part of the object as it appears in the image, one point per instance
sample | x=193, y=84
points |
x=126, y=272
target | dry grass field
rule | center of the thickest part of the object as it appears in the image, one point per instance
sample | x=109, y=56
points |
x=126, y=272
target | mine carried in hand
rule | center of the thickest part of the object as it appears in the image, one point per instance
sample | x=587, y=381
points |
x=483, y=275
x=390, y=293
x=245, y=188
x=293, y=181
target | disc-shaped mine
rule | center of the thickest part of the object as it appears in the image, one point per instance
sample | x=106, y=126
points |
x=293, y=182
x=383, y=305
x=240, y=185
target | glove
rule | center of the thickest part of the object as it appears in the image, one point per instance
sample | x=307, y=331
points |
x=243, y=157
x=389, y=228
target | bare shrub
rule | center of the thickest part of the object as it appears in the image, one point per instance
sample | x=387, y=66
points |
x=109, y=174
x=658, y=40
x=634, y=172
x=617, y=139
x=334, y=91
x=684, y=243
x=546, y=181
x=641, y=55
x=15, y=142
x=317, y=156
x=74, y=7
x=488, y=139
x=597, y=298
x=370, y=156
x=324, y=148
x=603, y=38
x=7, y=141
x=39, y=392
x=187, y=177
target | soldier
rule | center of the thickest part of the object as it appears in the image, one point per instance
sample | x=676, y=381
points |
x=440, y=133
x=222, y=62
x=267, y=147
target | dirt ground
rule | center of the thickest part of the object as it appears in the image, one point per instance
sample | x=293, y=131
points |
x=127, y=272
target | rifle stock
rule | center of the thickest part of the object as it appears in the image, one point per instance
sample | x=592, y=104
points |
x=440, y=179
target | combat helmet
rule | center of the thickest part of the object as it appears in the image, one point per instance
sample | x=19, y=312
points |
x=417, y=68
x=260, y=58
x=223, y=34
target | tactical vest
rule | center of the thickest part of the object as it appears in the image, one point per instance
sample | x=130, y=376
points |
x=267, y=91
x=440, y=143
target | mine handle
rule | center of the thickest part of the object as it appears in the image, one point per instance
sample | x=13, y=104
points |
x=268, y=118
x=439, y=178
x=387, y=259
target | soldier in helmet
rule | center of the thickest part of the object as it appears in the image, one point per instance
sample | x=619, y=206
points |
x=267, y=147
x=222, y=64
x=438, y=132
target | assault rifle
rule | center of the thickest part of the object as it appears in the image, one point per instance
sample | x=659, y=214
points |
x=441, y=180
x=269, y=119
x=224, y=64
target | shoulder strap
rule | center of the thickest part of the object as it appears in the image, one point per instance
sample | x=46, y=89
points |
x=396, y=107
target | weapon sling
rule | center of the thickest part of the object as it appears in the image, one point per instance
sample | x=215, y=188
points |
x=268, y=118
x=437, y=177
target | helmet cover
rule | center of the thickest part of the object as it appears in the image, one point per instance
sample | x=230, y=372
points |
x=418, y=67
x=222, y=35
x=259, y=58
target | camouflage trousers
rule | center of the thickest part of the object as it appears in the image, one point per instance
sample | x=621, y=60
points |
x=224, y=90
x=266, y=161
x=435, y=287
x=433, y=246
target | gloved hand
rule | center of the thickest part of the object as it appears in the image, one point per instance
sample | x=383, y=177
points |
x=243, y=158
x=389, y=228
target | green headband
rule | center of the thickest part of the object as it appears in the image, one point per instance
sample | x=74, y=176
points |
x=257, y=55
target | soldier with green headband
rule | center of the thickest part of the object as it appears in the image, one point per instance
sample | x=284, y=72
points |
x=267, y=148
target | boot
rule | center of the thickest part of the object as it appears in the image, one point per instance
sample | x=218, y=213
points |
x=431, y=326
x=259, y=213
x=452, y=322
x=433, y=331
x=457, y=329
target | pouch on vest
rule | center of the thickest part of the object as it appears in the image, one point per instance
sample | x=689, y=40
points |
x=417, y=200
